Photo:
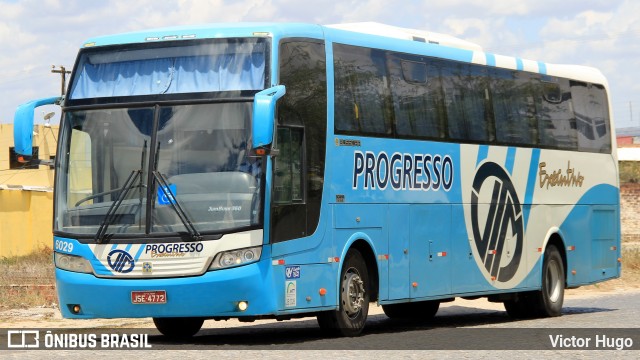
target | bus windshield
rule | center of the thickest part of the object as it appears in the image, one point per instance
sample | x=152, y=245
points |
x=201, y=151
x=181, y=67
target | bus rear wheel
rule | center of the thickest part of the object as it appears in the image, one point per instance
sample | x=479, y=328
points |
x=178, y=328
x=353, y=308
x=423, y=310
x=548, y=301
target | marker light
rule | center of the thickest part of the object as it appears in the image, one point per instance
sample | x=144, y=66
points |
x=243, y=305
x=236, y=258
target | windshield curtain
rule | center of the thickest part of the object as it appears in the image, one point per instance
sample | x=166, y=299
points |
x=220, y=65
x=201, y=151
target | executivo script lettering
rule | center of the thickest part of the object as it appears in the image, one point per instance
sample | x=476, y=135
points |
x=559, y=178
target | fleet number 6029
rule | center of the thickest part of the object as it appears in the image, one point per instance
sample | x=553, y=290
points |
x=65, y=246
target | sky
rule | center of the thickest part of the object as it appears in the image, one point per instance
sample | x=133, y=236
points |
x=37, y=34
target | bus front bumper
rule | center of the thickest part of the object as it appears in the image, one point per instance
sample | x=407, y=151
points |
x=214, y=294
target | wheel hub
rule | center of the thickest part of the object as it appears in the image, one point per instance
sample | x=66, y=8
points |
x=353, y=293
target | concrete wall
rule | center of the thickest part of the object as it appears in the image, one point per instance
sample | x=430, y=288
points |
x=26, y=221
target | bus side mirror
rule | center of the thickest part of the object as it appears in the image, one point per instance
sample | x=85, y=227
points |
x=23, y=127
x=264, y=118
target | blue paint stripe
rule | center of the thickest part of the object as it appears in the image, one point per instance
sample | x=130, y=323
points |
x=511, y=159
x=139, y=252
x=531, y=184
x=519, y=64
x=542, y=68
x=483, y=153
x=491, y=59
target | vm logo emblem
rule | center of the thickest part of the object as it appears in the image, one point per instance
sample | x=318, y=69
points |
x=120, y=261
x=498, y=231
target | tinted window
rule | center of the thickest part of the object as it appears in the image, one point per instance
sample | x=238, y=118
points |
x=514, y=109
x=592, y=116
x=302, y=127
x=287, y=177
x=466, y=98
x=361, y=91
x=556, y=122
x=414, y=71
x=417, y=98
x=430, y=98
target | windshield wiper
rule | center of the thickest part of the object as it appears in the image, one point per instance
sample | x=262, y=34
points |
x=110, y=216
x=173, y=201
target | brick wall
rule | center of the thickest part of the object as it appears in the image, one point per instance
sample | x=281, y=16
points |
x=630, y=211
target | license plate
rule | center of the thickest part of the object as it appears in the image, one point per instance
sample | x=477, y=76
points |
x=149, y=297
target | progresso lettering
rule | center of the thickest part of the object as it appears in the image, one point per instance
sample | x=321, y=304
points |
x=173, y=248
x=399, y=171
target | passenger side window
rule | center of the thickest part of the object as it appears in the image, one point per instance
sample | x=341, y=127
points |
x=466, y=98
x=592, y=116
x=361, y=91
x=556, y=122
x=514, y=107
x=417, y=98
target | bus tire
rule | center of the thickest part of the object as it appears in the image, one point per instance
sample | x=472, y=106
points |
x=351, y=316
x=178, y=328
x=548, y=301
x=519, y=308
x=423, y=310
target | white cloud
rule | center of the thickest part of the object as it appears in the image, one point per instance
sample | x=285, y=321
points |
x=36, y=34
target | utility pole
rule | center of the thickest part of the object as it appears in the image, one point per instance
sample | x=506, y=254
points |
x=63, y=74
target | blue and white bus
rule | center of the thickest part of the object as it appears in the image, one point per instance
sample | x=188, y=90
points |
x=260, y=171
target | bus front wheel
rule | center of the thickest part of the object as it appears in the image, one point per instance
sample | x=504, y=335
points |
x=353, y=308
x=178, y=328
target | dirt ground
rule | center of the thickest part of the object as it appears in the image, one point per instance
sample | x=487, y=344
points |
x=50, y=318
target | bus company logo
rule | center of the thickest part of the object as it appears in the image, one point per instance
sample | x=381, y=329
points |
x=499, y=242
x=120, y=261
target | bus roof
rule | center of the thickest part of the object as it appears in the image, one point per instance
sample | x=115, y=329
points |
x=372, y=34
x=373, y=28
x=209, y=31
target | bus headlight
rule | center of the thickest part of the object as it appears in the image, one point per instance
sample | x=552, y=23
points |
x=238, y=257
x=72, y=263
